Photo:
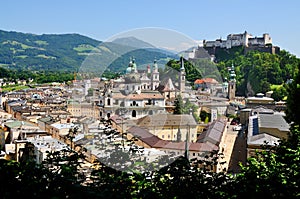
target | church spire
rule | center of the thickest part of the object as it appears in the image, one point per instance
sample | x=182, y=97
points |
x=232, y=83
x=182, y=76
x=181, y=64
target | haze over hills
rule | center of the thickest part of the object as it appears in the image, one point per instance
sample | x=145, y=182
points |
x=133, y=42
x=67, y=52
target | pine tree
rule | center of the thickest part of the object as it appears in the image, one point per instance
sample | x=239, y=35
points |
x=178, y=105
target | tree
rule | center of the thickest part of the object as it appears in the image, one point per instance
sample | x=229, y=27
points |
x=293, y=108
x=190, y=108
x=204, y=116
x=274, y=172
x=178, y=105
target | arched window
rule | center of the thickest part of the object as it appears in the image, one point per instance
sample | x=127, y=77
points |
x=108, y=101
x=134, y=103
x=133, y=113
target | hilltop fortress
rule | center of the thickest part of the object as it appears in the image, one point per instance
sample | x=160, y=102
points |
x=246, y=40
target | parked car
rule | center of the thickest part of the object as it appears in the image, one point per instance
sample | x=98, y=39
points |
x=237, y=127
x=233, y=122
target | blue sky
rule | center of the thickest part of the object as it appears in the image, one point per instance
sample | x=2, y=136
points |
x=202, y=19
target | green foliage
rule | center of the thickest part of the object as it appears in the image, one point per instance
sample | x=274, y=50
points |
x=192, y=73
x=273, y=173
x=293, y=108
x=178, y=105
x=189, y=107
x=257, y=71
x=223, y=54
x=43, y=52
x=37, y=76
x=205, y=116
x=279, y=92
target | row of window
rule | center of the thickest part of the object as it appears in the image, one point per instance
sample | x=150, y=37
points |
x=169, y=136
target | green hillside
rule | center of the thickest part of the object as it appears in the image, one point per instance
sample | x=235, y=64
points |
x=260, y=71
x=44, y=52
x=69, y=52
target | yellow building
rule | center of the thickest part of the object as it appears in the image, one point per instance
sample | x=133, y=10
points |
x=170, y=127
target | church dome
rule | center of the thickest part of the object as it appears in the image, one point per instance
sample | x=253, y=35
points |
x=128, y=70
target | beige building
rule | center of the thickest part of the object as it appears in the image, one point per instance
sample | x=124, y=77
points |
x=170, y=127
x=83, y=109
x=260, y=100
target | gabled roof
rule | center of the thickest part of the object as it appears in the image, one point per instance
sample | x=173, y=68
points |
x=199, y=81
x=213, y=134
x=206, y=80
x=166, y=86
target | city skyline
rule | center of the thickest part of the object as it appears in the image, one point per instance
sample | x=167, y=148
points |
x=208, y=20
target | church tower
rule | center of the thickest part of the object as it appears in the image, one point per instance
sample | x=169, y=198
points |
x=181, y=76
x=231, y=84
x=155, y=76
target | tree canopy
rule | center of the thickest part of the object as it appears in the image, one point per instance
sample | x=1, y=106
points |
x=258, y=71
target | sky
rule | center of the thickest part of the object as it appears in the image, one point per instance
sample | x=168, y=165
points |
x=197, y=19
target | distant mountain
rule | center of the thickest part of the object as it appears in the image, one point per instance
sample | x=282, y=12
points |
x=133, y=42
x=44, y=52
x=73, y=52
x=143, y=52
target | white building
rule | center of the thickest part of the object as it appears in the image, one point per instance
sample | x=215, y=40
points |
x=43, y=145
x=243, y=39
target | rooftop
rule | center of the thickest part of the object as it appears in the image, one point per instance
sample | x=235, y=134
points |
x=160, y=120
x=261, y=139
x=273, y=121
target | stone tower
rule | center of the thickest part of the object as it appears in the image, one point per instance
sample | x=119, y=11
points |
x=155, y=76
x=231, y=84
x=181, y=76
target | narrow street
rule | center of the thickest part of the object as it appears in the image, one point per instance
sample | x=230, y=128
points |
x=234, y=145
x=239, y=153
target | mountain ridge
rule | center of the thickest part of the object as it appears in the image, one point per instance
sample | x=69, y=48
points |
x=67, y=52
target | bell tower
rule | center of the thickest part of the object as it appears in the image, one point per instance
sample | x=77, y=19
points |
x=231, y=84
x=181, y=76
x=155, y=76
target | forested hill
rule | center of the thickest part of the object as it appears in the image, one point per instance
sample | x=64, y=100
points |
x=66, y=52
x=261, y=71
x=44, y=52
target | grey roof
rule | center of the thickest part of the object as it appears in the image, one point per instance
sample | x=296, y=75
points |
x=213, y=134
x=262, y=110
x=273, y=121
x=260, y=139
